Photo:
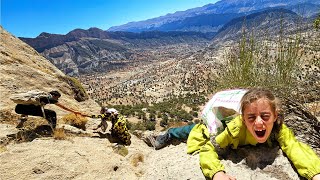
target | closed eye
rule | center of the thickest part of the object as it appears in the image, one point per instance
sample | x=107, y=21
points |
x=251, y=118
x=265, y=116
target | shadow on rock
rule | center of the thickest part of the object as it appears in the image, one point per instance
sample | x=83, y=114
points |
x=31, y=134
x=259, y=156
x=111, y=138
x=108, y=136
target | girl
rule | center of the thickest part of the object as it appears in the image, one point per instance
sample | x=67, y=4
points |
x=118, y=129
x=259, y=122
x=104, y=117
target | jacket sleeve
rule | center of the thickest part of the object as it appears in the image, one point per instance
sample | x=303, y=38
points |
x=209, y=160
x=301, y=155
x=199, y=141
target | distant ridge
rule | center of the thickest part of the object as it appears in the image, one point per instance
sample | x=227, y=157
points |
x=94, y=50
x=47, y=40
x=268, y=20
x=208, y=17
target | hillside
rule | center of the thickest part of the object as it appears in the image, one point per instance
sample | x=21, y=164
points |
x=23, y=68
x=33, y=154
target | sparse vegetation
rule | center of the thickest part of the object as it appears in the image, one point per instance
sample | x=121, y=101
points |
x=168, y=109
x=8, y=117
x=121, y=150
x=79, y=92
x=141, y=125
x=136, y=159
x=316, y=23
x=76, y=121
x=264, y=63
x=59, y=134
x=173, y=91
x=3, y=148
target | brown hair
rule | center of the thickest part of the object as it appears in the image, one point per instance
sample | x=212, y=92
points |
x=55, y=93
x=257, y=93
x=103, y=109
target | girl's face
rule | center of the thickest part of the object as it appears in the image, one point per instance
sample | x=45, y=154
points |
x=259, y=118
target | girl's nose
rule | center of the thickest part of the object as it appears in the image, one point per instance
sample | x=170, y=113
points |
x=259, y=121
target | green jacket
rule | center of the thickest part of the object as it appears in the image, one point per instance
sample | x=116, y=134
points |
x=236, y=134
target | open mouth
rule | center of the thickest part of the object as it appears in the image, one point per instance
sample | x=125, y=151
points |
x=260, y=133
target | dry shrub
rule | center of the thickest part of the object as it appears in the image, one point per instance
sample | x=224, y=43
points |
x=121, y=150
x=3, y=148
x=140, y=173
x=136, y=158
x=80, y=93
x=314, y=108
x=76, y=121
x=59, y=134
x=34, y=122
x=8, y=117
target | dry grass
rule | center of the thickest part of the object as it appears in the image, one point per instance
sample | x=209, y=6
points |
x=8, y=117
x=3, y=148
x=33, y=122
x=136, y=158
x=59, y=134
x=314, y=108
x=76, y=121
x=121, y=150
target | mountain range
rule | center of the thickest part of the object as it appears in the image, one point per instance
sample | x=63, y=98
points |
x=94, y=50
x=211, y=17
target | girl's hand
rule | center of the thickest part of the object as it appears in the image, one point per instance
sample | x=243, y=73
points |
x=316, y=177
x=222, y=176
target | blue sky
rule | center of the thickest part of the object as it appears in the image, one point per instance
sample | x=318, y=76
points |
x=29, y=18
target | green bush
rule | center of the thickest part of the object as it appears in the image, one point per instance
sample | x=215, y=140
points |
x=316, y=23
x=137, y=126
x=263, y=63
x=195, y=114
x=149, y=125
x=164, y=122
x=80, y=93
x=143, y=126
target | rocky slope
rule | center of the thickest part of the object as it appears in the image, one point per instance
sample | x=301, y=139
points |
x=22, y=68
